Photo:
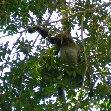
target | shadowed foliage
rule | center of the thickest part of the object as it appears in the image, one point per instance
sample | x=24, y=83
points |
x=30, y=73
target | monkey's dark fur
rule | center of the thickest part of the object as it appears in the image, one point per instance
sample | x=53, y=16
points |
x=69, y=51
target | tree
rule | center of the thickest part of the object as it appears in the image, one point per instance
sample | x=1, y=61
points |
x=34, y=71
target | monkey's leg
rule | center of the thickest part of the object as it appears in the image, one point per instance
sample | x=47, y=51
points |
x=61, y=94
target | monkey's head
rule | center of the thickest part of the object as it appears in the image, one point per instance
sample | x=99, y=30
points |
x=63, y=39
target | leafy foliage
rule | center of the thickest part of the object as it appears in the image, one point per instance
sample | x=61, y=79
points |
x=31, y=74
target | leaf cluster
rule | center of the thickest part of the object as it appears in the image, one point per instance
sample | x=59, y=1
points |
x=30, y=73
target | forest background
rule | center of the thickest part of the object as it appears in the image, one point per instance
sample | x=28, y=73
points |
x=29, y=73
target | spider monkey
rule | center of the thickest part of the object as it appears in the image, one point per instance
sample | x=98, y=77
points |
x=69, y=51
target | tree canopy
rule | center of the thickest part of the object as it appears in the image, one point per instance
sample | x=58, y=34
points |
x=30, y=72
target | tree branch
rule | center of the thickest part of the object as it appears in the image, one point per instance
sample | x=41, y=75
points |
x=74, y=14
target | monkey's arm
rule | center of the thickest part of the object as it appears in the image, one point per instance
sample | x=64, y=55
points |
x=43, y=32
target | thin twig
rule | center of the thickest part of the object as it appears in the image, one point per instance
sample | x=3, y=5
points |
x=14, y=33
x=85, y=55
